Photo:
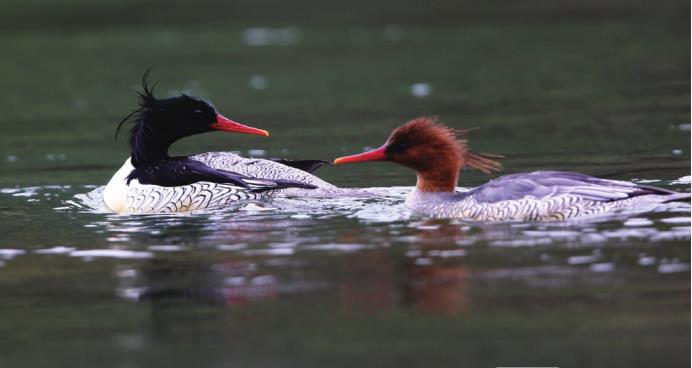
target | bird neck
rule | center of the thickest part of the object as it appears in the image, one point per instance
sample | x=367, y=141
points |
x=440, y=178
x=148, y=146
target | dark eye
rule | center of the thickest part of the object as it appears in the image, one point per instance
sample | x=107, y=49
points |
x=397, y=147
x=197, y=111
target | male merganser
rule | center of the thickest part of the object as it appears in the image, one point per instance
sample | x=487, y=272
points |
x=150, y=181
x=438, y=153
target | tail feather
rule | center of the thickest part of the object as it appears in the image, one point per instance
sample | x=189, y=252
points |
x=308, y=166
x=263, y=185
x=677, y=197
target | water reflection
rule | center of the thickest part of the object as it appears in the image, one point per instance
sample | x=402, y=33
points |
x=295, y=227
x=266, y=273
x=365, y=282
x=430, y=267
x=374, y=257
x=440, y=289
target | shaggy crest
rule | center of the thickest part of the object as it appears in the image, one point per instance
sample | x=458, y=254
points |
x=157, y=123
x=146, y=101
x=427, y=130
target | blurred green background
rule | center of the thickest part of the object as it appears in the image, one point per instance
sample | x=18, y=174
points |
x=558, y=79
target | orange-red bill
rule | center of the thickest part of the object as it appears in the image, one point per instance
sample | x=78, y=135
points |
x=227, y=125
x=374, y=155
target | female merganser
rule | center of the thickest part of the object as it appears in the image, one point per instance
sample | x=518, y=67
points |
x=438, y=153
x=150, y=181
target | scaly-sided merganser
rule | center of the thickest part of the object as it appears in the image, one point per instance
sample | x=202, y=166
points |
x=150, y=181
x=438, y=153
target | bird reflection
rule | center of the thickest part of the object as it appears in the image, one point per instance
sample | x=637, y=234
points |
x=378, y=285
x=424, y=277
x=371, y=283
x=440, y=290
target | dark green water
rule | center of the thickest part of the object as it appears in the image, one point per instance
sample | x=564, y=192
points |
x=596, y=87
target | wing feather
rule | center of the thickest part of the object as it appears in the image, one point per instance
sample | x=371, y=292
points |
x=547, y=184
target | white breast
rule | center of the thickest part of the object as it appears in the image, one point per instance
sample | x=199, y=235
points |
x=115, y=194
x=143, y=198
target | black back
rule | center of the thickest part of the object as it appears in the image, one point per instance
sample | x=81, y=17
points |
x=178, y=171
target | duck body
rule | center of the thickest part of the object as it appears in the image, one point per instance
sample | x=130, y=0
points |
x=539, y=196
x=151, y=181
x=127, y=195
x=181, y=185
x=437, y=154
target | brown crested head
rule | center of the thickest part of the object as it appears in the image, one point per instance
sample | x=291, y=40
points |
x=423, y=144
x=435, y=151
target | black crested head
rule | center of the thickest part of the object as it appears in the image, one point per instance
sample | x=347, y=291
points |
x=159, y=122
x=173, y=117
